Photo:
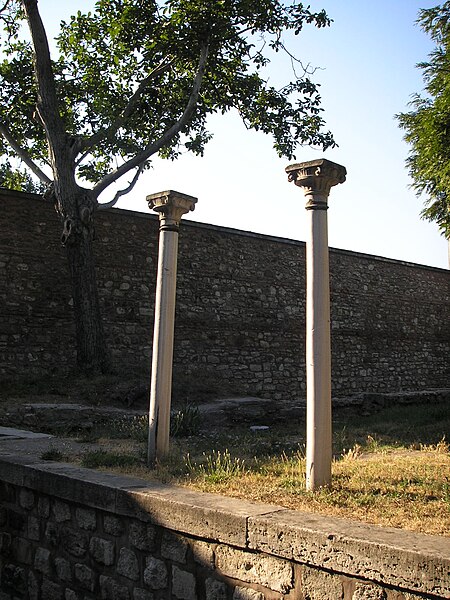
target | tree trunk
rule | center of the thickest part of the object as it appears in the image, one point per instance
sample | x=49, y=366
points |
x=75, y=205
x=78, y=237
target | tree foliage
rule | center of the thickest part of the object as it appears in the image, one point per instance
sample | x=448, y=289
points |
x=427, y=126
x=128, y=72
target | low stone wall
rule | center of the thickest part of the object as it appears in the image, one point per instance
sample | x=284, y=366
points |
x=73, y=534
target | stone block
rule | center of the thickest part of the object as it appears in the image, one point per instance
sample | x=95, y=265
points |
x=112, y=525
x=61, y=511
x=241, y=593
x=63, y=570
x=203, y=553
x=183, y=584
x=7, y=491
x=142, y=536
x=16, y=521
x=155, y=574
x=43, y=507
x=215, y=590
x=102, y=551
x=33, y=586
x=174, y=547
x=266, y=570
x=51, y=534
x=5, y=543
x=33, y=528
x=13, y=578
x=367, y=591
x=139, y=594
x=42, y=560
x=13, y=469
x=86, y=518
x=98, y=489
x=74, y=542
x=21, y=550
x=127, y=564
x=26, y=498
x=111, y=590
x=70, y=595
x=51, y=590
x=85, y=576
x=317, y=585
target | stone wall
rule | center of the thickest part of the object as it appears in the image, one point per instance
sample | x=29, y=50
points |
x=68, y=533
x=240, y=308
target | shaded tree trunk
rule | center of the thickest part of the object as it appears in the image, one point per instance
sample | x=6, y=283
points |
x=78, y=238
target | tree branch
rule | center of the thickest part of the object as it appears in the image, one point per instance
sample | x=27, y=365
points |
x=23, y=154
x=154, y=147
x=120, y=193
x=47, y=104
x=5, y=5
x=121, y=120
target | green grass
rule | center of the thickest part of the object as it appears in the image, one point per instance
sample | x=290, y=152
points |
x=53, y=454
x=98, y=459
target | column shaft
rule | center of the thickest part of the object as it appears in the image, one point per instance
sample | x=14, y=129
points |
x=162, y=357
x=318, y=356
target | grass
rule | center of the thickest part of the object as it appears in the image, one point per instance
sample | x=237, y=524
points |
x=53, y=454
x=391, y=468
x=97, y=459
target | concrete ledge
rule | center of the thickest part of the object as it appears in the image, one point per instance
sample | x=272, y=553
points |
x=408, y=561
x=385, y=555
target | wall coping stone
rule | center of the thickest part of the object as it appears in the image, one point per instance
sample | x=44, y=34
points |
x=386, y=555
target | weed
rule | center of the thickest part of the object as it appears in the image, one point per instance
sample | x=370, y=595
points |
x=135, y=428
x=442, y=447
x=53, y=454
x=352, y=453
x=186, y=421
x=217, y=467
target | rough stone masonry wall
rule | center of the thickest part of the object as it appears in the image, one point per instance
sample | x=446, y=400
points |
x=240, y=307
x=72, y=534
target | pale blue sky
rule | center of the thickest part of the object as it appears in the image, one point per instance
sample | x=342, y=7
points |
x=367, y=72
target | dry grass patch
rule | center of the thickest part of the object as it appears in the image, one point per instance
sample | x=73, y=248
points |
x=405, y=488
x=389, y=468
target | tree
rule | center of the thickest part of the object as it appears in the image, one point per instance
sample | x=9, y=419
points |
x=134, y=79
x=427, y=126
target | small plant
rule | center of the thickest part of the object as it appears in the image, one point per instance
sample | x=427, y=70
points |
x=352, y=453
x=186, y=421
x=218, y=467
x=442, y=447
x=52, y=454
x=103, y=458
x=135, y=428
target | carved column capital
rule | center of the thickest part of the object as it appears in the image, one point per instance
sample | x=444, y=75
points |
x=170, y=206
x=316, y=177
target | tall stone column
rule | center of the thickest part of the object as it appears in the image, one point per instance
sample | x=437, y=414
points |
x=316, y=177
x=170, y=206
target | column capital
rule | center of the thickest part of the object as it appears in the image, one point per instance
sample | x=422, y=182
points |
x=171, y=206
x=316, y=177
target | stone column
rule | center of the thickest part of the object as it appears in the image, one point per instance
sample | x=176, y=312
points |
x=316, y=177
x=171, y=206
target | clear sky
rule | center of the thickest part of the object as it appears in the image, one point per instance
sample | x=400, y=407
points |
x=366, y=62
